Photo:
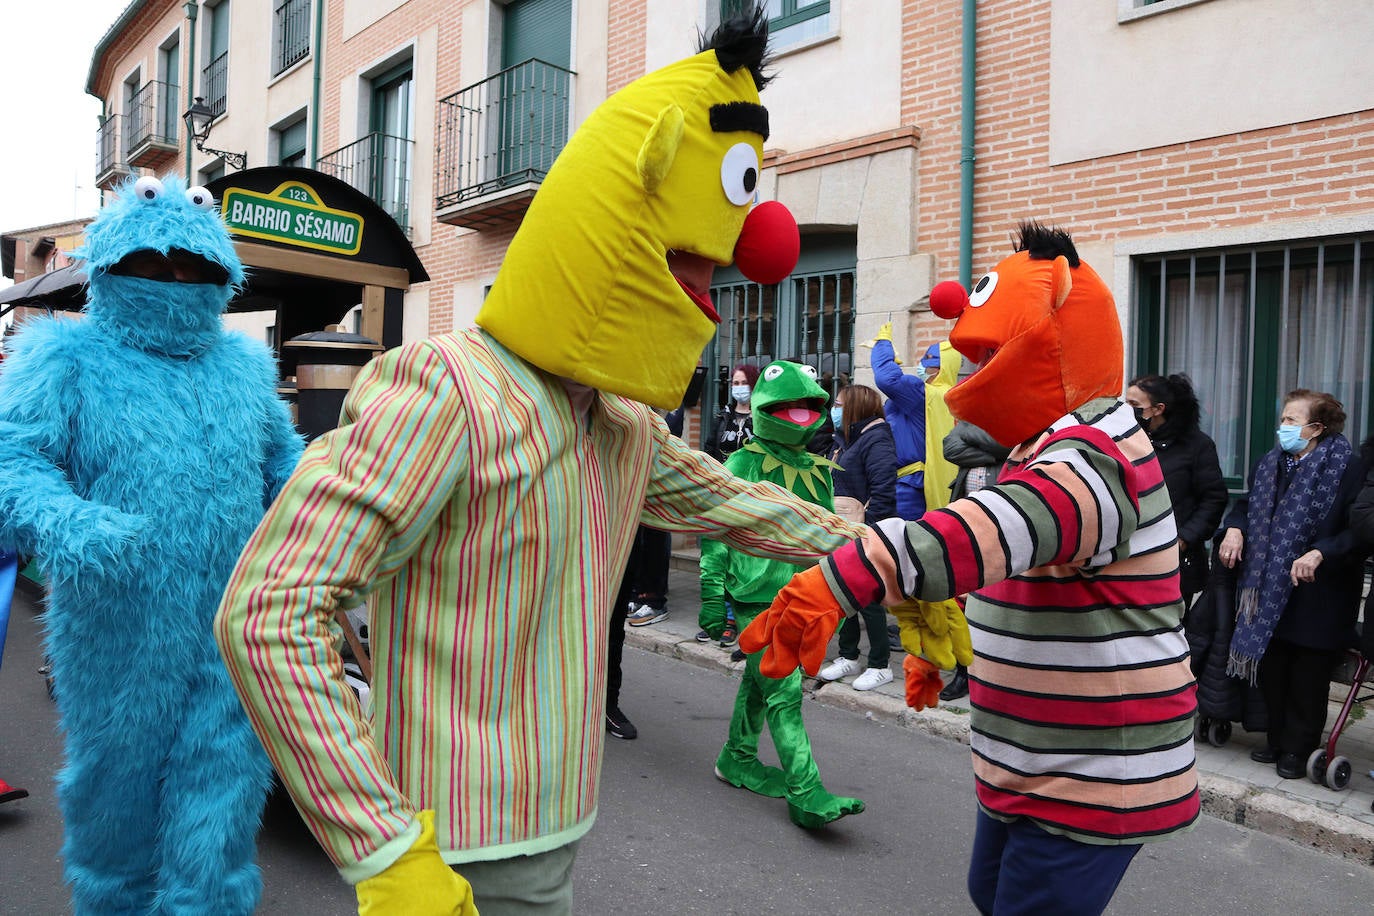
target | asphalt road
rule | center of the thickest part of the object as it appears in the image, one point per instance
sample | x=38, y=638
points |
x=671, y=839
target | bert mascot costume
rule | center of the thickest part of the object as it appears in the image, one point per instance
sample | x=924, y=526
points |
x=485, y=486
x=1083, y=702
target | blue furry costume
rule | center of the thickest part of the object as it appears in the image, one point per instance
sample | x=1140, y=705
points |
x=141, y=445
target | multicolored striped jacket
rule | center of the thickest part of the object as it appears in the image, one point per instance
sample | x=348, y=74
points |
x=1081, y=692
x=489, y=525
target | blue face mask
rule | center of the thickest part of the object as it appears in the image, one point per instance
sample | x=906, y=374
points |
x=740, y=393
x=835, y=414
x=1290, y=439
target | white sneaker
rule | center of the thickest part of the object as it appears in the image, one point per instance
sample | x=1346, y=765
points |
x=644, y=615
x=840, y=669
x=873, y=677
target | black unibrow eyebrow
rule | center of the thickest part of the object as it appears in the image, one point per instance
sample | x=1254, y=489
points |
x=740, y=116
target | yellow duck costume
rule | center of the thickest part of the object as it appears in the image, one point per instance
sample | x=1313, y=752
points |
x=484, y=487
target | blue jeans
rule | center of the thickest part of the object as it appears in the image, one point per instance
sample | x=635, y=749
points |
x=1020, y=868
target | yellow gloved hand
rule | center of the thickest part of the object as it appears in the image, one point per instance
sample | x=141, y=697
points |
x=936, y=630
x=884, y=333
x=419, y=883
x=909, y=620
x=944, y=633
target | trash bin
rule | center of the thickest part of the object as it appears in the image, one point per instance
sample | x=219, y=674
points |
x=325, y=364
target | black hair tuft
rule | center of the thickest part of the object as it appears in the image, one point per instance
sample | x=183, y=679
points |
x=1045, y=244
x=742, y=41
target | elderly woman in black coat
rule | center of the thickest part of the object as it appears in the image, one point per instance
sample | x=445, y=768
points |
x=1302, y=572
x=1167, y=410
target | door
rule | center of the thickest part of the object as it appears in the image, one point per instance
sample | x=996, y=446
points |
x=531, y=97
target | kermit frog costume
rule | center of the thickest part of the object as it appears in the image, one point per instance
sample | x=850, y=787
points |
x=484, y=487
x=786, y=405
x=1082, y=697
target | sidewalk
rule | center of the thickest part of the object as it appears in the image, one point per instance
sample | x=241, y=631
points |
x=1234, y=788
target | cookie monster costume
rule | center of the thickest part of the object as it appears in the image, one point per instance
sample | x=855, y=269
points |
x=787, y=405
x=485, y=487
x=1082, y=696
x=141, y=446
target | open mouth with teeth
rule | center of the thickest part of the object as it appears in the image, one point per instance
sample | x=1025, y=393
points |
x=693, y=273
x=801, y=412
x=176, y=266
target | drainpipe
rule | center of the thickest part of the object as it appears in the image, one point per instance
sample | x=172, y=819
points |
x=316, y=67
x=192, y=8
x=966, y=144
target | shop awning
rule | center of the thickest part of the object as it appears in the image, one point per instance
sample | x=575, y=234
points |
x=63, y=289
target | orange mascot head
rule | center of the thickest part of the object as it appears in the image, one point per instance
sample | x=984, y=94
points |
x=1043, y=328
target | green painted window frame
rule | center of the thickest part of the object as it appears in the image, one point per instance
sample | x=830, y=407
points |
x=1283, y=297
x=790, y=15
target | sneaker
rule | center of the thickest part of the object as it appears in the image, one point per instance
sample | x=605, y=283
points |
x=873, y=677
x=11, y=793
x=729, y=636
x=619, y=726
x=738, y=655
x=839, y=669
x=703, y=636
x=644, y=615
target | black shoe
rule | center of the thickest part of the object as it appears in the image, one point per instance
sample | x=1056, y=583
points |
x=957, y=686
x=738, y=655
x=703, y=636
x=729, y=636
x=1290, y=766
x=619, y=726
x=1264, y=754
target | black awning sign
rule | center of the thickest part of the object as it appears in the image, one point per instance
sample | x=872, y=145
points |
x=292, y=215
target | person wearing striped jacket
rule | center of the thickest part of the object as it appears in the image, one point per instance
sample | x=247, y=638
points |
x=483, y=490
x=1081, y=693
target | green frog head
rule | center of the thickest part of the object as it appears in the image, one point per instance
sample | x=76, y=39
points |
x=787, y=403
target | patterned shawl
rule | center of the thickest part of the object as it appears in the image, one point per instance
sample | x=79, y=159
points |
x=1280, y=530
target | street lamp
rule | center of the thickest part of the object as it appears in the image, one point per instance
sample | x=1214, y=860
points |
x=199, y=117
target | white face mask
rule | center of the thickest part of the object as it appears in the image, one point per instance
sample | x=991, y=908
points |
x=740, y=393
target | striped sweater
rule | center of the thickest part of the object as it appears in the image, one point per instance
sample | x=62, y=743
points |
x=491, y=525
x=1082, y=696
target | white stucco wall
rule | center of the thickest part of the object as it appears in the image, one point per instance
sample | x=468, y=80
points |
x=1202, y=70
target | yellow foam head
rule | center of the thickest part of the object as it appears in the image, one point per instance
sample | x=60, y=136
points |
x=667, y=164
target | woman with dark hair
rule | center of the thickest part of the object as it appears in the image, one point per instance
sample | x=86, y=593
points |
x=1302, y=572
x=867, y=478
x=733, y=425
x=1167, y=410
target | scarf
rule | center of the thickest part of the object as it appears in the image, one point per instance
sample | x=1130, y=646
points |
x=1280, y=529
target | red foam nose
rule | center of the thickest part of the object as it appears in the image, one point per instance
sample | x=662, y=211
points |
x=948, y=299
x=769, y=244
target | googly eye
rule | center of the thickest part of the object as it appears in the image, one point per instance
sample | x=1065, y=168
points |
x=983, y=291
x=809, y=370
x=771, y=373
x=200, y=198
x=148, y=188
x=739, y=173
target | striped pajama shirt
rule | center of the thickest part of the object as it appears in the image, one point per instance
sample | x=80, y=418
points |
x=489, y=526
x=1081, y=692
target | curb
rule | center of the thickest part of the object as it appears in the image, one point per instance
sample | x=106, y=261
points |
x=1223, y=798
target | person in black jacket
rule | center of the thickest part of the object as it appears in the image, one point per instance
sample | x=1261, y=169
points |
x=734, y=425
x=1167, y=410
x=867, y=473
x=1302, y=573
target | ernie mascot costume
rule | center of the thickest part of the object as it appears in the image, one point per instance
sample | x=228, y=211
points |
x=786, y=404
x=484, y=488
x=1082, y=699
x=141, y=446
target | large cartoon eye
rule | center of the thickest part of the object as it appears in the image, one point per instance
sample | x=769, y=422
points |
x=983, y=291
x=771, y=373
x=739, y=173
x=809, y=370
x=148, y=188
x=200, y=198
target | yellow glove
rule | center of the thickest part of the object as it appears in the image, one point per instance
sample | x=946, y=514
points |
x=884, y=333
x=935, y=629
x=419, y=883
x=909, y=620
